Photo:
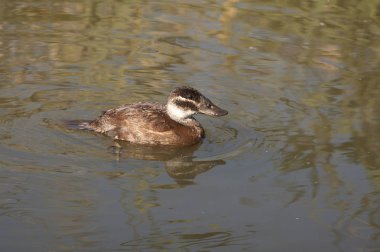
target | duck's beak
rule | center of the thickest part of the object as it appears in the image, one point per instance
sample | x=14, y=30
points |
x=212, y=110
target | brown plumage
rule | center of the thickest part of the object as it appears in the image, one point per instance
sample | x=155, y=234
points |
x=155, y=124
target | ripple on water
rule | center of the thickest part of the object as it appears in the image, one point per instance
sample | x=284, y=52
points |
x=193, y=241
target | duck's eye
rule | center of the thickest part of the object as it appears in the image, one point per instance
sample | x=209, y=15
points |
x=189, y=96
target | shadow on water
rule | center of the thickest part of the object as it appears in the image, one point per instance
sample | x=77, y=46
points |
x=179, y=162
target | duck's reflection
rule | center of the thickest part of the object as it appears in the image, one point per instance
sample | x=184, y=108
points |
x=180, y=163
x=180, y=169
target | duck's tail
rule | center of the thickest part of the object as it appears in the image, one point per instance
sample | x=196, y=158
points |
x=78, y=124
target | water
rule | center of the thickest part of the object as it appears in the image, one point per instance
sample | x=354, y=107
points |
x=293, y=167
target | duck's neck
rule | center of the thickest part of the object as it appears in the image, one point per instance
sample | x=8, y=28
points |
x=181, y=116
x=186, y=119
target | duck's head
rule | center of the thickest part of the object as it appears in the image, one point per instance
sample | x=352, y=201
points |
x=184, y=102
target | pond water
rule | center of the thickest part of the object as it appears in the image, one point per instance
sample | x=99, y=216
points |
x=294, y=166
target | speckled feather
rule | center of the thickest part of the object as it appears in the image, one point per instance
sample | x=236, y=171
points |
x=156, y=124
x=145, y=123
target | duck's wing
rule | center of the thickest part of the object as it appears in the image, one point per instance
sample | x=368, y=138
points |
x=134, y=122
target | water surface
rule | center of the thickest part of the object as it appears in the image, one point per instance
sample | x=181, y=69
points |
x=294, y=166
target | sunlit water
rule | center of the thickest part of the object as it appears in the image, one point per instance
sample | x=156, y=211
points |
x=293, y=167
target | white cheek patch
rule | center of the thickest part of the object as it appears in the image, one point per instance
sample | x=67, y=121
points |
x=178, y=113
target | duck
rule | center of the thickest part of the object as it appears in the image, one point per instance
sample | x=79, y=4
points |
x=151, y=123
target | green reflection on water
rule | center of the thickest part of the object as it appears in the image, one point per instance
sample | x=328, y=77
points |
x=296, y=157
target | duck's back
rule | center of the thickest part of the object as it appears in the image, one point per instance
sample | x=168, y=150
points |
x=145, y=123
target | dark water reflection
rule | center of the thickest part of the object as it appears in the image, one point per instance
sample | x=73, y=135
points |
x=293, y=167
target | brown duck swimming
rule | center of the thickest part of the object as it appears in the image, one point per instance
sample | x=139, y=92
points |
x=156, y=124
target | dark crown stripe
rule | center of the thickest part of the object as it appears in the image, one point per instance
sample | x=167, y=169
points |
x=190, y=94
